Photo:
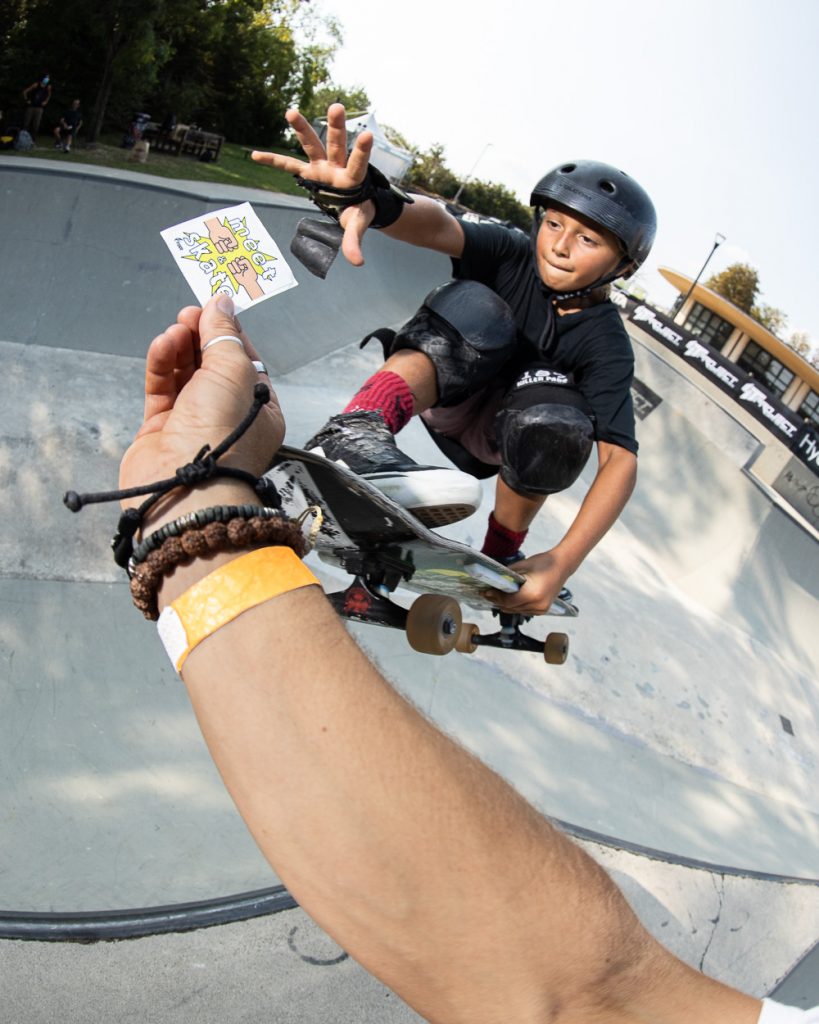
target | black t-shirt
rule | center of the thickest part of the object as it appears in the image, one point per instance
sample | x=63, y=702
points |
x=39, y=97
x=591, y=346
x=72, y=118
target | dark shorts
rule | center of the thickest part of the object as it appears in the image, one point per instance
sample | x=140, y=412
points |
x=469, y=426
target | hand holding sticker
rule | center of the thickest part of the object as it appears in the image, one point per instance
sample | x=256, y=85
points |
x=229, y=252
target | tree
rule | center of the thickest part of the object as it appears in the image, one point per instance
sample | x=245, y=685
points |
x=237, y=65
x=494, y=200
x=122, y=26
x=13, y=20
x=738, y=283
x=431, y=173
x=355, y=100
x=234, y=66
x=769, y=316
x=799, y=341
x=397, y=139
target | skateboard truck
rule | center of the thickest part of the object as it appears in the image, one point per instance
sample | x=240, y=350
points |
x=434, y=624
x=555, y=648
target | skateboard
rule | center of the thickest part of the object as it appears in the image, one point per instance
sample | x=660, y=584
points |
x=383, y=547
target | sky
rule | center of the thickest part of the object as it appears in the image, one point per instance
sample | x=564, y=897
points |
x=711, y=105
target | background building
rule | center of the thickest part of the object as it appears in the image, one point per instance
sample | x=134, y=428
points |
x=744, y=341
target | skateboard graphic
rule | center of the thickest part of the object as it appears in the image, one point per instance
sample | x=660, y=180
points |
x=383, y=546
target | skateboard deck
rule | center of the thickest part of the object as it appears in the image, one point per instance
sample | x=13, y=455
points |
x=384, y=546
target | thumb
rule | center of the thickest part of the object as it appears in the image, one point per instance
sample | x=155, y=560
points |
x=355, y=221
x=218, y=321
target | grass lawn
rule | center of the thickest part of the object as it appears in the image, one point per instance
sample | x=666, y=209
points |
x=233, y=167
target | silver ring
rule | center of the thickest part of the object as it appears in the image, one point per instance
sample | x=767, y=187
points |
x=259, y=366
x=224, y=337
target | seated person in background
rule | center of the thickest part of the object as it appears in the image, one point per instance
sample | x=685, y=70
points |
x=70, y=124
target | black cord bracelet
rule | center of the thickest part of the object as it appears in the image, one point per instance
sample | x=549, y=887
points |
x=195, y=521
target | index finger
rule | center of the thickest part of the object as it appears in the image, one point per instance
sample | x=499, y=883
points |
x=171, y=358
x=288, y=164
x=305, y=133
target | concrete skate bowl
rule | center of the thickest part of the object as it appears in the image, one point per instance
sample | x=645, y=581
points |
x=111, y=804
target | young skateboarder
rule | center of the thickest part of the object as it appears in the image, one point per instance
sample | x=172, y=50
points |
x=518, y=366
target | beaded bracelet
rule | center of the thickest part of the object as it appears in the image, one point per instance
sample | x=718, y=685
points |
x=193, y=521
x=237, y=534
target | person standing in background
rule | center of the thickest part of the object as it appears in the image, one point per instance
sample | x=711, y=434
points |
x=36, y=96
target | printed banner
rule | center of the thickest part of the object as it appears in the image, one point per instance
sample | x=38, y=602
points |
x=643, y=398
x=802, y=439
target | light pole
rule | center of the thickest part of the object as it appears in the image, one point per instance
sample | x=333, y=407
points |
x=718, y=240
x=457, y=195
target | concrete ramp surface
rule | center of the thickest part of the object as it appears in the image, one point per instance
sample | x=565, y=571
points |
x=679, y=742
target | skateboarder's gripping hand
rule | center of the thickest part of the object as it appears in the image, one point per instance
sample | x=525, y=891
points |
x=545, y=575
x=194, y=398
x=331, y=166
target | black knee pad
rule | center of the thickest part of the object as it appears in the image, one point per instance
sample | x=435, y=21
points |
x=545, y=435
x=467, y=331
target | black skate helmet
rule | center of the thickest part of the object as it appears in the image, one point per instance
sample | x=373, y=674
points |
x=609, y=198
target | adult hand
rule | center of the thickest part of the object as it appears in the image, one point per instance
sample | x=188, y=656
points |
x=545, y=575
x=331, y=166
x=193, y=398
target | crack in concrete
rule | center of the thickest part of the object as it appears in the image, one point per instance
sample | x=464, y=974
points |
x=720, y=891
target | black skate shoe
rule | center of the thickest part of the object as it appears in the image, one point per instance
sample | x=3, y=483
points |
x=363, y=442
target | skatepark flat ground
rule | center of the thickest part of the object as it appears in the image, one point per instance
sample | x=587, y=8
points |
x=679, y=743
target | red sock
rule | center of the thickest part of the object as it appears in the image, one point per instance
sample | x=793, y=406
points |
x=501, y=542
x=387, y=393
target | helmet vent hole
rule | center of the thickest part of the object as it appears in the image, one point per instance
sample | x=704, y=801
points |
x=567, y=168
x=607, y=186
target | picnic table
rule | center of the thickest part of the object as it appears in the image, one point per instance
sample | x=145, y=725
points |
x=184, y=139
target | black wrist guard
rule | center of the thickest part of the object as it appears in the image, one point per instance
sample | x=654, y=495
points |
x=389, y=199
x=316, y=244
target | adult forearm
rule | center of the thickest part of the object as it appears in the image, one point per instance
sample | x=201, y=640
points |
x=402, y=845
x=423, y=863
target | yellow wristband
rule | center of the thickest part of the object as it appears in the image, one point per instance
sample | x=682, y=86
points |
x=227, y=592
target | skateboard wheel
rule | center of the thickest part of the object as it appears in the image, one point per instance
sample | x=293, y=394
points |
x=556, y=648
x=466, y=638
x=433, y=624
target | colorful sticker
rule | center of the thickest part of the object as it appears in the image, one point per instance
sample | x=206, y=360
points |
x=229, y=252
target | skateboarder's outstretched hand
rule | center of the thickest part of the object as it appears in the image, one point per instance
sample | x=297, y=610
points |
x=194, y=398
x=331, y=166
